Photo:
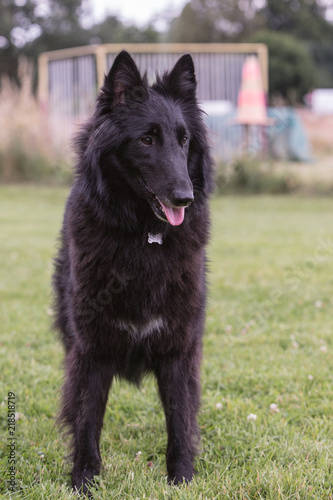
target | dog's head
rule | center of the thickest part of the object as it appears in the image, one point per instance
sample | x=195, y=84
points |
x=148, y=132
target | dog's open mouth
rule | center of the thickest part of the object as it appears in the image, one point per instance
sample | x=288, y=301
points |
x=173, y=215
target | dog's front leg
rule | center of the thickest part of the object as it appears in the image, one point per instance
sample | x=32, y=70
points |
x=85, y=394
x=179, y=387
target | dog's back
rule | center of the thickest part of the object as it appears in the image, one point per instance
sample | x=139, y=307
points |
x=130, y=274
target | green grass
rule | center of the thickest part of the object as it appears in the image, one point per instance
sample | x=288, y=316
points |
x=269, y=327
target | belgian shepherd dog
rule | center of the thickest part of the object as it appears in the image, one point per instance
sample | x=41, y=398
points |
x=130, y=273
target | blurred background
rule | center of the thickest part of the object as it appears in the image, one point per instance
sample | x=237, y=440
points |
x=265, y=83
x=270, y=127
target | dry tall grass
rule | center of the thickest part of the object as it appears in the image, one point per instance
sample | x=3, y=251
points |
x=26, y=149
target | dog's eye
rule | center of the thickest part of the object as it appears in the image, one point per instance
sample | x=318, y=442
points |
x=147, y=141
x=184, y=140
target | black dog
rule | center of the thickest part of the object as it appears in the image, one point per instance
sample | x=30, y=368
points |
x=130, y=274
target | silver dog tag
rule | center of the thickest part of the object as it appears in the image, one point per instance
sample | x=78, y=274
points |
x=155, y=238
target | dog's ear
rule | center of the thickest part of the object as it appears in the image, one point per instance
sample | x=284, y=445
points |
x=124, y=83
x=181, y=80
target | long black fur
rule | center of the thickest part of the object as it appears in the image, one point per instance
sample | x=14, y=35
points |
x=124, y=306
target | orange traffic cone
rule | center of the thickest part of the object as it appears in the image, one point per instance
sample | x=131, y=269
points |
x=251, y=105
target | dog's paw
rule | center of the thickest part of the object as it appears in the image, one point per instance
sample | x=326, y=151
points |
x=179, y=475
x=84, y=481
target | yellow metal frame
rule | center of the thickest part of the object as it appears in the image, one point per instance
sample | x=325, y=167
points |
x=101, y=52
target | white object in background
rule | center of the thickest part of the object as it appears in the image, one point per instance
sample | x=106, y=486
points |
x=217, y=108
x=322, y=101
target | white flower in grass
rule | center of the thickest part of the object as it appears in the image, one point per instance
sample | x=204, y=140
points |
x=219, y=406
x=252, y=417
x=323, y=348
x=294, y=344
x=310, y=377
x=274, y=408
x=318, y=303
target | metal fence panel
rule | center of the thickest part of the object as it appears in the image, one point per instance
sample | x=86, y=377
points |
x=69, y=81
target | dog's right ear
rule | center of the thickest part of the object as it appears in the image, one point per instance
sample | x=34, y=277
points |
x=124, y=83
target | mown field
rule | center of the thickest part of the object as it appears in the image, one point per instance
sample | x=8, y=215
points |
x=268, y=342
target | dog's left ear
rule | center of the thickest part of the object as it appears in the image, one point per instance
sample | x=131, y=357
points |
x=124, y=82
x=181, y=80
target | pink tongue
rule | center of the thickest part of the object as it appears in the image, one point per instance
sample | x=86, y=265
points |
x=174, y=215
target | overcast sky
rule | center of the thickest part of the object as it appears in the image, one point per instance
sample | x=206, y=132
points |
x=138, y=12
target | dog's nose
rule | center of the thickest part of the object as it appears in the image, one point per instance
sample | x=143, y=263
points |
x=182, y=198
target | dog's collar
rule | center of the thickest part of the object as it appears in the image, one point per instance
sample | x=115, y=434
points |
x=155, y=238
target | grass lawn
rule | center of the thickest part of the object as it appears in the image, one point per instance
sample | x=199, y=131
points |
x=268, y=341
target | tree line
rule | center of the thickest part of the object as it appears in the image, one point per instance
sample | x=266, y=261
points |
x=298, y=33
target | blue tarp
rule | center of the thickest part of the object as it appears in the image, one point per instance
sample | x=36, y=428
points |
x=288, y=140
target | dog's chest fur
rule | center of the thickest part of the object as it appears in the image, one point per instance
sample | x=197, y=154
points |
x=141, y=330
